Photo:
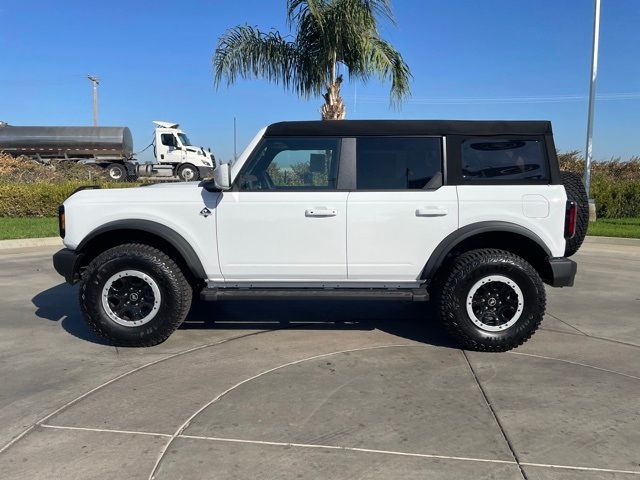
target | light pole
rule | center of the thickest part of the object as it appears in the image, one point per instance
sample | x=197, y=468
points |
x=235, y=151
x=95, y=82
x=588, y=154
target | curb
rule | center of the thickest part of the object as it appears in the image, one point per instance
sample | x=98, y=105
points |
x=634, y=242
x=30, y=242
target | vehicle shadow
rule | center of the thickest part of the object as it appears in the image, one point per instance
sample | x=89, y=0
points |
x=60, y=304
x=414, y=321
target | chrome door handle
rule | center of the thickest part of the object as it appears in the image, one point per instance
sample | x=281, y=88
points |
x=320, y=212
x=431, y=212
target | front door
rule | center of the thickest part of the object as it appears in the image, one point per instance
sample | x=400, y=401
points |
x=169, y=149
x=284, y=220
x=400, y=210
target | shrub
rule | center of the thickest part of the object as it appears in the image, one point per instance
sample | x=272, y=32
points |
x=615, y=198
x=615, y=185
x=41, y=199
x=614, y=168
x=26, y=170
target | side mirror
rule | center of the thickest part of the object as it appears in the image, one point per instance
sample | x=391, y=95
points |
x=222, y=177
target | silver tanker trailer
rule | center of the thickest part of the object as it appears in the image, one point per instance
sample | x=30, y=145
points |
x=111, y=148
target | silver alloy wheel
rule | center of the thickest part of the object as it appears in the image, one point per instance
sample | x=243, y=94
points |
x=115, y=173
x=495, y=303
x=187, y=173
x=131, y=298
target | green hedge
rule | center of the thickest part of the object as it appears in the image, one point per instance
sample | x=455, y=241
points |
x=615, y=198
x=40, y=199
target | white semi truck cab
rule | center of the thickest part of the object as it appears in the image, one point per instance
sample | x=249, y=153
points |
x=176, y=156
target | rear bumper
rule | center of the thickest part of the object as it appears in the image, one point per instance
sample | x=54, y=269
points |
x=563, y=272
x=67, y=263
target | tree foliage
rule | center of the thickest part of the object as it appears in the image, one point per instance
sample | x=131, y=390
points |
x=331, y=37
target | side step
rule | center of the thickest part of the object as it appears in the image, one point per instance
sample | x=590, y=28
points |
x=410, y=295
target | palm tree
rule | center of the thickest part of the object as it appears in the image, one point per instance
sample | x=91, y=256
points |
x=331, y=36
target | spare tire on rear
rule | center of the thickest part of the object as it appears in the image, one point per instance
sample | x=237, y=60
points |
x=576, y=193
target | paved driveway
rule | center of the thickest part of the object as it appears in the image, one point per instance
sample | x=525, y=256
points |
x=321, y=390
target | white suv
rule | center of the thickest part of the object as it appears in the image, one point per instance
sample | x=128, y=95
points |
x=472, y=214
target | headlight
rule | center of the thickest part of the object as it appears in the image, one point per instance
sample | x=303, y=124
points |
x=206, y=163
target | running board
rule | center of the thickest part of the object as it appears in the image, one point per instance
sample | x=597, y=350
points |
x=415, y=294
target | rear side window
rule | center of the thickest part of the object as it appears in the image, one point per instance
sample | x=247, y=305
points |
x=508, y=159
x=398, y=163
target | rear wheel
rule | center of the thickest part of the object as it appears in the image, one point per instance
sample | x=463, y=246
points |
x=188, y=172
x=117, y=172
x=134, y=295
x=577, y=193
x=491, y=300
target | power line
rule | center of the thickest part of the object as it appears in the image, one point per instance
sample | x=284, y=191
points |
x=501, y=100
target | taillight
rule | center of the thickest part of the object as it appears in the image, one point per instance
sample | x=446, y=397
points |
x=570, y=220
x=61, y=222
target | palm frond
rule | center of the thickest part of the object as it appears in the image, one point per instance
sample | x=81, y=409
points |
x=248, y=52
x=385, y=60
x=297, y=9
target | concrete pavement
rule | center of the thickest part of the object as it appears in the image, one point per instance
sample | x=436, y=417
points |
x=321, y=390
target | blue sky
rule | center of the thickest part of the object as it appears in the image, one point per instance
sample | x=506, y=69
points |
x=470, y=59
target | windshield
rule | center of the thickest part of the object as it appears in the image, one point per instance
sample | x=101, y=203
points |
x=184, y=140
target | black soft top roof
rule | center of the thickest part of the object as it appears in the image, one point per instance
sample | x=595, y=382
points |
x=409, y=127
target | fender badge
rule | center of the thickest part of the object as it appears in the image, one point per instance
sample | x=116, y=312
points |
x=205, y=212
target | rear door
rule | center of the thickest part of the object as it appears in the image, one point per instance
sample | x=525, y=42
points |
x=400, y=209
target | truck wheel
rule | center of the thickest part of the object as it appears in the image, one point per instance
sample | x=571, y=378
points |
x=576, y=193
x=188, y=172
x=134, y=295
x=490, y=300
x=116, y=172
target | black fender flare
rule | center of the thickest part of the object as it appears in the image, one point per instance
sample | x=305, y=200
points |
x=455, y=238
x=172, y=237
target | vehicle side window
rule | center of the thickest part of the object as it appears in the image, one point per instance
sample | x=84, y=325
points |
x=507, y=159
x=398, y=163
x=292, y=163
x=168, y=139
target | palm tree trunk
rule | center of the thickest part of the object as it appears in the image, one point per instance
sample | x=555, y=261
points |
x=333, y=107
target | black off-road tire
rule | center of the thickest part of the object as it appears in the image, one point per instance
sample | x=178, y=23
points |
x=576, y=193
x=455, y=283
x=175, y=290
x=185, y=166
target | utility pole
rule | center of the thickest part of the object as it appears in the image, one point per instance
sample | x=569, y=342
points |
x=235, y=152
x=95, y=82
x=588, y=154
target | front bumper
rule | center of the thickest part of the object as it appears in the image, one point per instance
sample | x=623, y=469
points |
x=563, y=272
x=206, y=172
x=67, y=263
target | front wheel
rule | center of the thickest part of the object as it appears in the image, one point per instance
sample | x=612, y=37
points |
x=188, y=173
x=134, y=295
x=490, y=300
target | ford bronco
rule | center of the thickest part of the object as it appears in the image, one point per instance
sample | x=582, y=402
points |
x=473, y=215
